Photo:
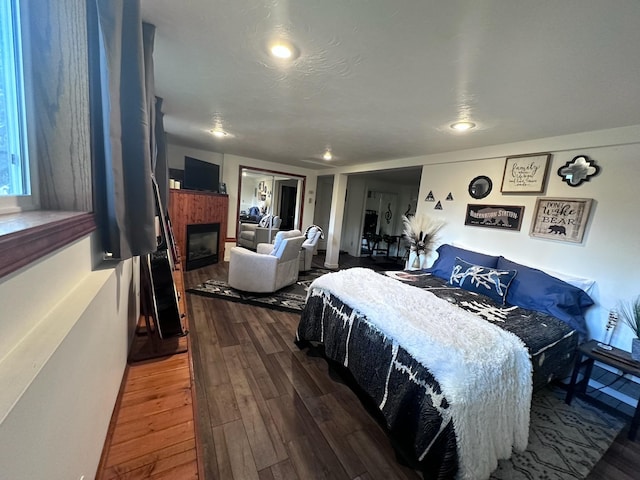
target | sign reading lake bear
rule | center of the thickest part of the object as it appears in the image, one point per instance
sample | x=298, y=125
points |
x=561, y=218
x=505, y=217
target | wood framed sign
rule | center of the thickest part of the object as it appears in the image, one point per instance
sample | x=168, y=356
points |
x=504, y=217
x=562, y=219
x=525, y=173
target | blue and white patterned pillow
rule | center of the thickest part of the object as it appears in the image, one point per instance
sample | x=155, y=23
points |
x=265, y=221
x=484, y=280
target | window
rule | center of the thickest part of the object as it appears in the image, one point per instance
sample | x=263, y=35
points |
x=14, y=171
x=38, y=218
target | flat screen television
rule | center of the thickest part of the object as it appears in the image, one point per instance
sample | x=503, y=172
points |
x=200, y=175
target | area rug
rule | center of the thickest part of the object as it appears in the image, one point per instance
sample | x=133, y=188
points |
x=565, y=442
x=290, y=299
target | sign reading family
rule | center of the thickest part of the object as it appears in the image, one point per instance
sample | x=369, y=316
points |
x=561, y=218
x=525, y=173
x=505, y=217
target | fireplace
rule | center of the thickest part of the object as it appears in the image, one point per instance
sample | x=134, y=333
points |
x=202, y=244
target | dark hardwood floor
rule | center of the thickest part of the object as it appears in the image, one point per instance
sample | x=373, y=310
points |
x=266, y=410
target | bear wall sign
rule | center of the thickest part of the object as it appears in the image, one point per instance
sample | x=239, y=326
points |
x=562, y=219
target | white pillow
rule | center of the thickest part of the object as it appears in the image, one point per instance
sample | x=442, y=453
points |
x=584, y=284
x=277, y=241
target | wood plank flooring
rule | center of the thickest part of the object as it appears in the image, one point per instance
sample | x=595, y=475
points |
x=266, y=410
x=152, y=432
x=263, y=409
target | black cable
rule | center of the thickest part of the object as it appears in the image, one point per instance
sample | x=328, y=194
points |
x=610, y=383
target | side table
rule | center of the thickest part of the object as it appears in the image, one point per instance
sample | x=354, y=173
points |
x=588, y=353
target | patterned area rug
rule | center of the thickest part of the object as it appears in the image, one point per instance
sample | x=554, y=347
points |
x=565, y=442
x=291, y=298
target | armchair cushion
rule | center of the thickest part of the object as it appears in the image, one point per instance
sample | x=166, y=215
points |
x=259, y=272
x=251, y=234
x=272, y=248
x=278, y=243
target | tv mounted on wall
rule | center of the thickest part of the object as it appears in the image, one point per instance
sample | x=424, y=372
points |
x=200, y=175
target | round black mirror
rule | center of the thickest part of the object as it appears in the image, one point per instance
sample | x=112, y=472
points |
x=480, y=187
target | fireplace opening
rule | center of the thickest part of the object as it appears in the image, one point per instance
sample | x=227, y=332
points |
x=202, y=244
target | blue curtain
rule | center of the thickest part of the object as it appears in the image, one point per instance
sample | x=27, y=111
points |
x=161, y=168
x=125, y=130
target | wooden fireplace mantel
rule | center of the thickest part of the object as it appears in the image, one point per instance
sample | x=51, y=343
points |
x=187, y=207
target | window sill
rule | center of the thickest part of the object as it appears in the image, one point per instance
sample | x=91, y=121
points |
x=27, y=236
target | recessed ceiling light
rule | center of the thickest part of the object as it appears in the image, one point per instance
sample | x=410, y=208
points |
x=217, y=132
x=463, y=126
x=283, y=50
x=327, y=155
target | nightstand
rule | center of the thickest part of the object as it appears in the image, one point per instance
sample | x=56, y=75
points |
x=588, y=353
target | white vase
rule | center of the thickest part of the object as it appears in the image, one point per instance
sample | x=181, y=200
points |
x=635, y=349
x=413, y=263
x=423, y=261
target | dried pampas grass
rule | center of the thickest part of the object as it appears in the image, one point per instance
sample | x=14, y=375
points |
x=421, y=231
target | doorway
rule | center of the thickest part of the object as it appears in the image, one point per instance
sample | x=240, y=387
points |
x=266, y=192
x=287, y=206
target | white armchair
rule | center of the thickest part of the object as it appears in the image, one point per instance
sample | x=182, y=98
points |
x=309, y=246
x=252, y=234
x=270, y=268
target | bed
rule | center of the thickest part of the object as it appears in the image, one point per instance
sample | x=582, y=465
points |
x=449, y=356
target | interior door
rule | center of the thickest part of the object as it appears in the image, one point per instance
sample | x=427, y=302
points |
x=287, y=206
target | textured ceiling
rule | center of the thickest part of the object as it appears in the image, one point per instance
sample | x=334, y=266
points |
x=381, y=79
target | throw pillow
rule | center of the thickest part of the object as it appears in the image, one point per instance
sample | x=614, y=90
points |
x=484, y=280
x=312, y=231
x=536, y=290
x=277, y=241
x=265, y=221
x=447, y=255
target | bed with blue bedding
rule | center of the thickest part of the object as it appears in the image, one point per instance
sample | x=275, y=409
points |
x=443, y=360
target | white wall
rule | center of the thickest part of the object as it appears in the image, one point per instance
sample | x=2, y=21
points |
x=176, y=154
x=353, y=215
x=69, y=328
x=322, y=210
x=609, y=251
x=230, y=174
x=231, y=178
x=358, y=201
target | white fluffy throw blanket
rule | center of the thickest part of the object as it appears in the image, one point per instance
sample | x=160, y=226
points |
x=484, y=371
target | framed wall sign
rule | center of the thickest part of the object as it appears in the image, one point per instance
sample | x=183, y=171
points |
x=562, y=219
x=504, y=217
x=525, y=173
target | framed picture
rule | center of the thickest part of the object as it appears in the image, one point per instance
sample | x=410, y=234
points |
x=525, y=173
x=562, y=219
x=504, y=217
